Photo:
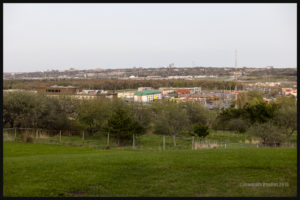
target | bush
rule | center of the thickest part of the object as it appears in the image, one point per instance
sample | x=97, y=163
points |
x=200, y=130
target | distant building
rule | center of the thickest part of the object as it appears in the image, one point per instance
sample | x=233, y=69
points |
x=172, y=65
x=147, y=96
x=287, y=91
x=144, y=88
x=92, y=92
x=126, y=94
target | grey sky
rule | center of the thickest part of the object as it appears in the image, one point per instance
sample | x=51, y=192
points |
x=38, y=37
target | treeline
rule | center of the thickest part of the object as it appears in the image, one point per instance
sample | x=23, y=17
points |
x=117, y=84
x=273, y=123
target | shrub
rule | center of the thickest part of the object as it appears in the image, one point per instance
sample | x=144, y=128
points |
x=200, y=130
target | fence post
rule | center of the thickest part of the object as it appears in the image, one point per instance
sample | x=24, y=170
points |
x=83, y=137
x=107, y=140
x=133, y=142
x=225, y=145
x=174, y=140
x=60, y=136
x=164, y=143
x=15, y=134
x=193, y=143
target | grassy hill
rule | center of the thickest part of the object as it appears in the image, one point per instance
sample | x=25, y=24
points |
x=54, y=170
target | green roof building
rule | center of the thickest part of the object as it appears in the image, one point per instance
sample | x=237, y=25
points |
x=147, y=92
x=147, y=96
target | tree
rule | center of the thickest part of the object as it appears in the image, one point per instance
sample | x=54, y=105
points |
x=142, y=115
x=196, y=112
x=27, y=110
x=122, y=125
x=260, y=112
x=171, y=120
x=286, y=119
x=270, y=134
x=93, y=114
x=200, y=130
x=238, y=125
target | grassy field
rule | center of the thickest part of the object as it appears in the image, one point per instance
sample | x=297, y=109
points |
x=55, y=170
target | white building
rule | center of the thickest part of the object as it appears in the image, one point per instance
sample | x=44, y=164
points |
x=126, y=94
x=147, y=96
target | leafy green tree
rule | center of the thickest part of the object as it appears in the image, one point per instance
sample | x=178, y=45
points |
x=196, y=112
x=286, y=116
x=271, y=135
x=122, y=125
x=143, y=116
x=238, y=125
x=171, y=120
x=261, y=112
x=200, y=130
x=93, y=114
x=28, y=110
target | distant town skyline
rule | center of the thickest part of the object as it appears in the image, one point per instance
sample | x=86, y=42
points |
x=41, y=37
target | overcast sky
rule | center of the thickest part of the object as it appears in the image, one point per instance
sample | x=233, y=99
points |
x=38, y=37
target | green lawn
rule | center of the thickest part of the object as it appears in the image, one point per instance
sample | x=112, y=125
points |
x=54, y=170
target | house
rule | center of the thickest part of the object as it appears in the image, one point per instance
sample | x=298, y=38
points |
x=287, y=91
x=147, y=96
x=126, y=94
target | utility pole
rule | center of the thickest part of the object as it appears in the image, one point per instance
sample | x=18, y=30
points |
x=235, y=81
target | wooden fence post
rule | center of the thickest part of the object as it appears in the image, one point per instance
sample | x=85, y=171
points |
x=83, y=137
x=60, y=136
x=133, y=142
x=174, y=140
x=193, y=143
x=107, y=140
x=164, y=143
x=15, y=134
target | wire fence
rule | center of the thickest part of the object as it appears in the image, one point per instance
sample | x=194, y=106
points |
x=138, y=142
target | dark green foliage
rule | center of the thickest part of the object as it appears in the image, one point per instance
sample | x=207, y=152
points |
x=200, y=130
x=270, y=134
x=122, y=125
x=27, y=110
x=238, y=119
x=261, y=112
x=238, y=125
x=118, y=84
x=196, y=112
x=170, y=118
x=286, y=116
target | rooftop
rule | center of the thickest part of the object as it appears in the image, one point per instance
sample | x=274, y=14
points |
x=147, y=92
